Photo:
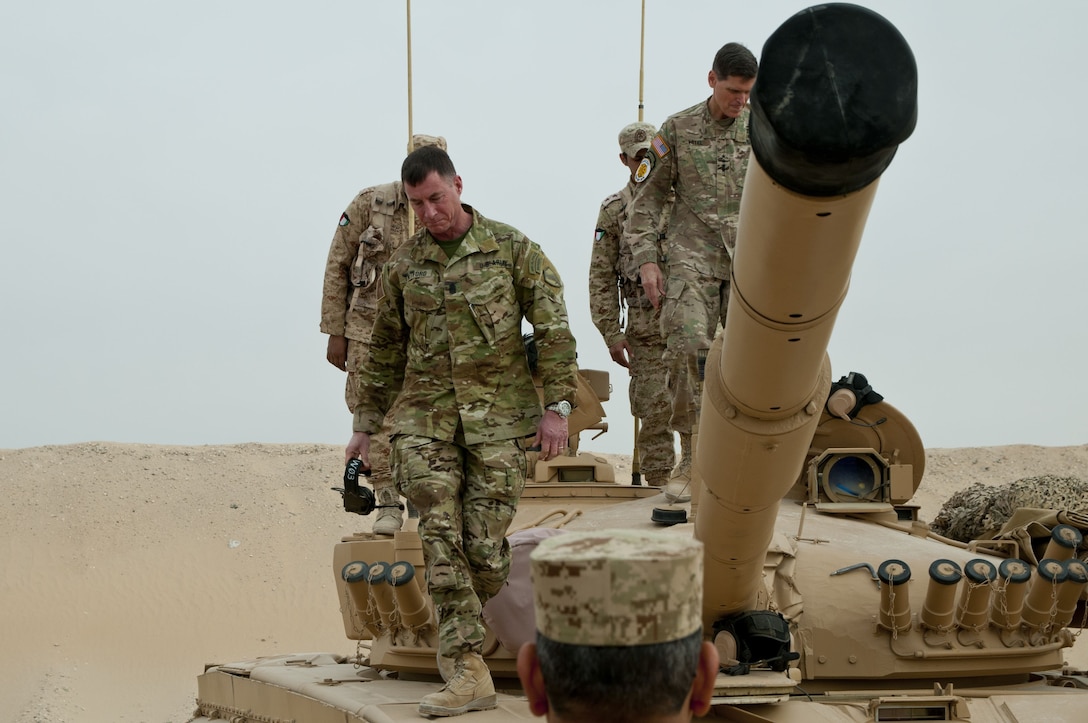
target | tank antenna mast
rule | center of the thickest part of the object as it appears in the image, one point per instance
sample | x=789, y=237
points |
x=408, y=6
x=641, y=59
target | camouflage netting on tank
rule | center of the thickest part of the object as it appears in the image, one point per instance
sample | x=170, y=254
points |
x=980, y=511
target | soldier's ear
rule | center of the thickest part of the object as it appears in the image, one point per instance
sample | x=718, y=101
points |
x=706, y=672
x=532, y=679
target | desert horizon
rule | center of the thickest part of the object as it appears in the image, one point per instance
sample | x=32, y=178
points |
x=129, y=567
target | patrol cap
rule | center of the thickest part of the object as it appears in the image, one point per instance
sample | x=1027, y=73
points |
x=617, y=587
x=420, y=141
x=635, y=137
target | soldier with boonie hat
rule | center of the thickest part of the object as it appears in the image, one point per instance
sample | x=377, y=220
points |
x=627, y=321
x=636, y=137
x=619, y=629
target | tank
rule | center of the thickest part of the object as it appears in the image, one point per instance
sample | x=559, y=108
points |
x=828, y=599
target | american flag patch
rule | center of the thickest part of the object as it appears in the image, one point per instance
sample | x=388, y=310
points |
x=661, y=148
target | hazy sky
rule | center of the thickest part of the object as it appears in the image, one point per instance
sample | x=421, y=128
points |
x=172, y=174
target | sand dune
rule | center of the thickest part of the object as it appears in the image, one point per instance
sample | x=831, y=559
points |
x=126, y=567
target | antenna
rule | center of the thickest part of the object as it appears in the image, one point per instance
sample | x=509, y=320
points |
x=641, y=59
x=408, y=5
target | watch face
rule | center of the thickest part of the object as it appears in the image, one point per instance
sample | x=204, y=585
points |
x=561, y=408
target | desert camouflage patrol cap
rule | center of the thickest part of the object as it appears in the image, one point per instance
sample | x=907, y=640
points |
x=421, y=141
x=617, y=587
x=635, y=137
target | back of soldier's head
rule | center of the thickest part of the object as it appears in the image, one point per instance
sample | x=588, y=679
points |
x=619, y=625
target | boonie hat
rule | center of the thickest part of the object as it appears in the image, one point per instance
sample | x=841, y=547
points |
x=617, y=587
x=635, y=137
x=420, y=141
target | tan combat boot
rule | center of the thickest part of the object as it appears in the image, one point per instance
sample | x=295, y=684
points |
x=679, y=487
x=470, y=688
x=389, y=518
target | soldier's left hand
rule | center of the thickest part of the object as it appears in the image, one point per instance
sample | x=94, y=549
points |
x=551, y=436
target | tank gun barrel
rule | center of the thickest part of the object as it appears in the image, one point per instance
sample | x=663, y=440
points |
x=835, y=95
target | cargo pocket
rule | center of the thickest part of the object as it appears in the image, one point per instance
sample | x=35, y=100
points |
x=672, y=317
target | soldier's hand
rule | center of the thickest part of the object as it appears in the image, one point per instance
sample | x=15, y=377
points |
x=358, y=448
x=653, y=282
x=621, y=353
x=551, y=436
x=337, y=352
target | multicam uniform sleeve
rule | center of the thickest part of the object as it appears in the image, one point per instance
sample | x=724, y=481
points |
x=336, y=291
x=540, y=295
x=604, y=293
x=651, y=198
x=382, y=375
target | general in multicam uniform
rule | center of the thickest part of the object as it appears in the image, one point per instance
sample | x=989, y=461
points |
x=374, y=225
x=637, y=344
x=701, y=154
x=447, y=364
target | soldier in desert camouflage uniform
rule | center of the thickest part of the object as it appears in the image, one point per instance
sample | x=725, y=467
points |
x=619, y=629
x=636, y=345
x=374, y=225
x=447, y=363
x=702, y=155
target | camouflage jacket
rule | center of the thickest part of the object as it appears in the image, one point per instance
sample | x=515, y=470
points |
x=704, y=160
x=374, y=225
x=447, y=348
x=613, y=275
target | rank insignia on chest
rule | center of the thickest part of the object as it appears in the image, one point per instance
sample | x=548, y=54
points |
x=344, y=220
x=644, y=168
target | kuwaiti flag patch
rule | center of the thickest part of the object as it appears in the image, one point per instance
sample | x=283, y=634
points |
x=598, y=234
x=344, y=220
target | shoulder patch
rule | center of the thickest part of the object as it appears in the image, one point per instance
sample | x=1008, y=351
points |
x=644, y=168
x=598, y=234
x=661, y=148
x=344, y=220
x=551, y=278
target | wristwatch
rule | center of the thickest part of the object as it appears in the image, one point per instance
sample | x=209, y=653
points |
x=561, y=408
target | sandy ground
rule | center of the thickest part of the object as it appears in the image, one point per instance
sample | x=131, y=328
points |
x=126, y=568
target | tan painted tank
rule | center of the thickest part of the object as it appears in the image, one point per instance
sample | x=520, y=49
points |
x=828, y=599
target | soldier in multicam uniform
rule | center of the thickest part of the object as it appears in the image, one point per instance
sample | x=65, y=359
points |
x=374, y=225
x=619, y=629
x=448, y=365
x=702, y=154
x=636, y=345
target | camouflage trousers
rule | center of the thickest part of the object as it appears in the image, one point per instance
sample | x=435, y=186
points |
x=691, y=314
x=380, y=474
x=466, y=496
x=649, y=395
